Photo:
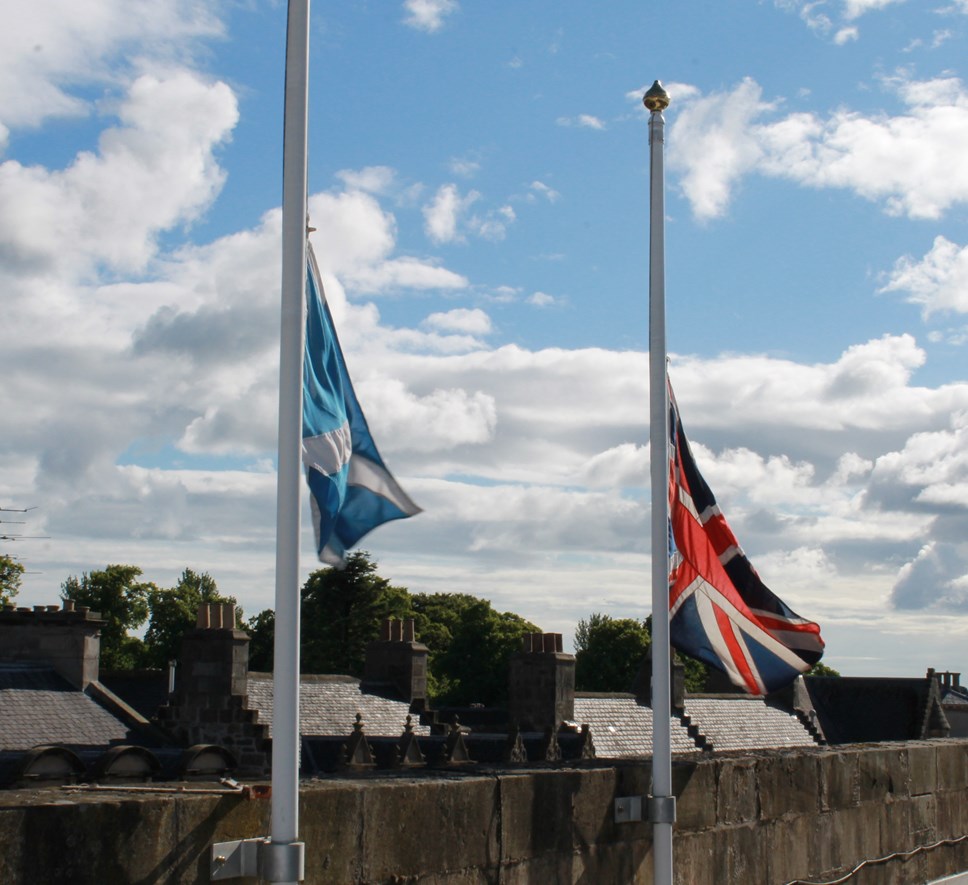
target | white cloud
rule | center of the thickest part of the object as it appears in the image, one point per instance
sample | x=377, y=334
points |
x=163, y=149
x=856, y=8
x=372, y=179
x=716, y=145
x=908, y=162
x=846, y=35
x=473, y=322
x=542, y=189
x=49, y=49
x=583, y=121
x=464, y=167
x=541, y=299
x=355, y=238
x=493, y=225
x=447, y=217
x=428, y=15
x=442, y=215
x=938, y=282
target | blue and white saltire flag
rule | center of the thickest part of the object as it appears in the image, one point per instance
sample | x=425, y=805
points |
x=351, y=489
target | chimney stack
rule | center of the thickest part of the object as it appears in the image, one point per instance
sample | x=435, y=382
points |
x=68, y=640
x=210, y=702
x=397, y=663
x=541, y=690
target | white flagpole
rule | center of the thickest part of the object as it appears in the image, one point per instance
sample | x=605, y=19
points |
x=662, y=802
x=285, y=852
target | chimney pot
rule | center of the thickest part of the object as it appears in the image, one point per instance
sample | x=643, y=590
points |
x=40, y=608
x=201, y=621
x=396, y=630
x=537, y=642
x=385, y=631
x=68, y=605
x=409, y=630
x=228, y=615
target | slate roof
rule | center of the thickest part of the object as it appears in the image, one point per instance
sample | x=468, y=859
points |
x=328, y=706
x=745, y=723
x=622, y=727
x=38, y=707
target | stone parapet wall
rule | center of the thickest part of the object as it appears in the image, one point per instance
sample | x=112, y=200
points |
x=763, y=818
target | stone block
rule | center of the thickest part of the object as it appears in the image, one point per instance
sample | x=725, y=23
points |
x=736, y=793
x=788, y=783
x=952, y=814
x=838, y=780
x=538, y=813
x=883, y=774
x=924, y=818
x=923, y=767
x=741, y=854
x=694, y=857
x=410, y=827
x=330, y=824
x=694, y=785
x=952, y=765
x=844, y=837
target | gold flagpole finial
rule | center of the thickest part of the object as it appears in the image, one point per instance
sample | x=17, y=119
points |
x=656, y=99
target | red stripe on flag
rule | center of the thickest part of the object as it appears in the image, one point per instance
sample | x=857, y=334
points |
x=735, y=650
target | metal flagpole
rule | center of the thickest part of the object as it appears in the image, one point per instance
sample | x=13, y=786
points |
x=285, y=680
x=662, y=807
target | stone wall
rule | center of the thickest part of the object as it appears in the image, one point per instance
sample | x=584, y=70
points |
x=761, y=819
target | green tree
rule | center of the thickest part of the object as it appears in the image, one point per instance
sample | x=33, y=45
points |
x=609, y=652
x=470, y=644
x=342, y=611
x=122, y=601
x=11, y=574
x=821, y=669
x=173, y=612
x=261, y=629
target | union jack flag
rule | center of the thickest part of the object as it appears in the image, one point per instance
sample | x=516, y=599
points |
x=719, y=609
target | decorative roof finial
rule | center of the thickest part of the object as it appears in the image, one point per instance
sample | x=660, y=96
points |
x=656, y=99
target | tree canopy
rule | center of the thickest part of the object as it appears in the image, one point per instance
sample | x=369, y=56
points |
x=609, y=652
x=126, y=603
x=122, y=601
x=11, y=574
x=344, y=609
x=470, y=644
x=172, y=613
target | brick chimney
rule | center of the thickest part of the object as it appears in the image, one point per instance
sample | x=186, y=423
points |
x=68, y=639
x=396, y=663
x=541, y=689
x=210, y=701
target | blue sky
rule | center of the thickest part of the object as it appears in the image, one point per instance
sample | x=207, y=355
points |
x=478, y=179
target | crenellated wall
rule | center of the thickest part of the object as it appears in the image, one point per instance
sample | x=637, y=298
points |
x=757, y=819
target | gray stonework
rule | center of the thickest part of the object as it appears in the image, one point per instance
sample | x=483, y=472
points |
x=210, y=704
x=396, y=664
x=541, y=684
x=758, y=819
x=68, y=639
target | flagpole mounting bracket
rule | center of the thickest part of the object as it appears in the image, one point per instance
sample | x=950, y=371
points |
x=259, y=857
x=662, y=809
